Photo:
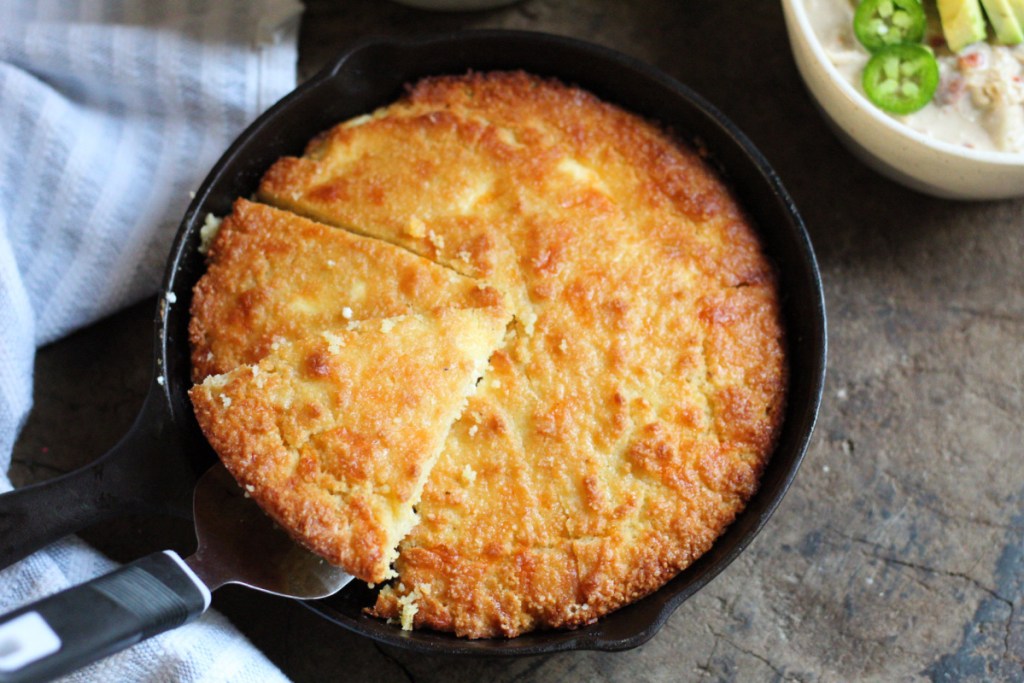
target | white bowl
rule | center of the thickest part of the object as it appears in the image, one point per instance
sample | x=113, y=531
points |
x=886, y=145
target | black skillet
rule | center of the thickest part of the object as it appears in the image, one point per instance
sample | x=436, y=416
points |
x=154, y=468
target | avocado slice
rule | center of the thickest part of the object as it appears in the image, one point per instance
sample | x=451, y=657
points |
x=1018, y=11
x=963, y=22
x=1004, y=21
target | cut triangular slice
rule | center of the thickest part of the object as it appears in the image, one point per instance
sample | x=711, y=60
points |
x=334, y=435
x=276, y=277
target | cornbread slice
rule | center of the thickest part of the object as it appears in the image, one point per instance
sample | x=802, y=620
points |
x=334, y=435
x=274, y=277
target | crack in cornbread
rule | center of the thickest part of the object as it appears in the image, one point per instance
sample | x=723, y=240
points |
x=273, y=276
x=625, y=423
x=419, y=183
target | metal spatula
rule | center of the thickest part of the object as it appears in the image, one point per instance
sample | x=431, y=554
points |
x=238, y=543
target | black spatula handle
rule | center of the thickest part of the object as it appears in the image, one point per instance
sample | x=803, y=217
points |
x=68, y=630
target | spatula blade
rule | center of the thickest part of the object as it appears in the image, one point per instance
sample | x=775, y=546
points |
x=239, y=543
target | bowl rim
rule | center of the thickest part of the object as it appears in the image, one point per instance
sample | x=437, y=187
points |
x=803, y=23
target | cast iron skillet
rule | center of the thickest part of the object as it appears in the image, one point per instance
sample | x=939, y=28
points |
x=154, y=468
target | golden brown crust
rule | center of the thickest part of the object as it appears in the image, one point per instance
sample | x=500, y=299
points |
x=334, y=435
x=627, y=422
x=652, y=383
x=274, y=277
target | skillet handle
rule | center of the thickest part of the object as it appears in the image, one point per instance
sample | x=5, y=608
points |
x=34, y=516
x=70, y=629
x=144, y=473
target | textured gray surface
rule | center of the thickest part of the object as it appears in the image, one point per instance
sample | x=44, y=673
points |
x=899, y=552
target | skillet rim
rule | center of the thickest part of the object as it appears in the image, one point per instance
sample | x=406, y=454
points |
x=653, y=91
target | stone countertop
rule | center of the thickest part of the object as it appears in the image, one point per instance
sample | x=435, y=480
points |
x=898, y=554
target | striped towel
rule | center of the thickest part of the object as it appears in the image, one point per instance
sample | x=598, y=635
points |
x=111, y=113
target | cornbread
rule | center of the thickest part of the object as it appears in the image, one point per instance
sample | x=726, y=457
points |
x=418, y=181
x=334, y=435
x=274, y=276
x=625, y=419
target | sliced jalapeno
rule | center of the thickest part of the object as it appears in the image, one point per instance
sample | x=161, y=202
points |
x=901, y=79
x=880, y=23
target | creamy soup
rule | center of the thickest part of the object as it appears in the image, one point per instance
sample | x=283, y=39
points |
x=980, y=99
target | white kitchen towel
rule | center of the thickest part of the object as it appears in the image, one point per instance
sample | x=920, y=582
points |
x=111, y=113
